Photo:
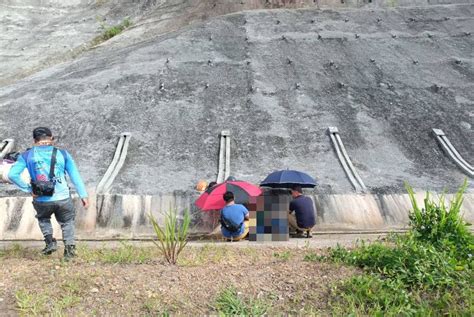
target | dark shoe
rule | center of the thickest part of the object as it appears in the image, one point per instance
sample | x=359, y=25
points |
x=308, y=234
x=69, y=252
x=298, y=234
x=51, y=246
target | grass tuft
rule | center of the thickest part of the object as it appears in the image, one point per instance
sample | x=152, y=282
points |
x=230, y=303
x=172, y=237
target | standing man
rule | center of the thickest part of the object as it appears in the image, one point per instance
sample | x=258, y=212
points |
x=47, y=167
x=234, y=219
x=302, y=216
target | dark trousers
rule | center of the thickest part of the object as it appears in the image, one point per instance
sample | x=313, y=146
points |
x=64, y=213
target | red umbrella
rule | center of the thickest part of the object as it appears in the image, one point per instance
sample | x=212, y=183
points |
x=212, y=198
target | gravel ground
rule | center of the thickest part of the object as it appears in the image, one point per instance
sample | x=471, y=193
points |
x=143, y=284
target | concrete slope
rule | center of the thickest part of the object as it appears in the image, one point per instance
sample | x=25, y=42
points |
x=35, y=34
x=240, y=72
x=38, y=34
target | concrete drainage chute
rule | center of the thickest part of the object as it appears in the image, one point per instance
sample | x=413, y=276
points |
x=224, y=157
x=6, y=146
x=345, y=161
x=117, y=162
x=451, y=151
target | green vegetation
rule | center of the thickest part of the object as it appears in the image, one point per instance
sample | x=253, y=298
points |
x=172, y=238
x=230, y=303
x=111, y=31
x=427, y=271
x=30, y=303
x=282, y=256
x=154, y=307
x=125, y=254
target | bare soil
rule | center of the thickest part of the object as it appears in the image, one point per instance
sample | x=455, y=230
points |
x=141, y=283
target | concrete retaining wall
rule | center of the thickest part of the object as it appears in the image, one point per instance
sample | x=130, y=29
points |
x=125, y=216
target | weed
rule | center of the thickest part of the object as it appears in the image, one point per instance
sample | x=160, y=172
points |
x=125, y=254
x=30, y=303
x=172, y=238
x=16, y=250
x=230, y=303
x=111, y=31
x=64, y=302
x=442, y=226
x=154, y=306
x=313, y=257
x=426, y=271
x=283, y=256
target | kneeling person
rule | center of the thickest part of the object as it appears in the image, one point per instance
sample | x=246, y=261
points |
x=234, y=219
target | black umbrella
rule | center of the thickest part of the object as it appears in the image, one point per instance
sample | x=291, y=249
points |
x=287, y=179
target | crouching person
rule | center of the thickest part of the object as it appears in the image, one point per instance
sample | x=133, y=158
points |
x=234, y=219
x=302, y=216
x=47, y=166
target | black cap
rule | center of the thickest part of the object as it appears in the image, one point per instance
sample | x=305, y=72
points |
x=40, y=132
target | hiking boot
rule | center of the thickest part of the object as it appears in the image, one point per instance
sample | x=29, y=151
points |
x=69, y=252
x=51, y=245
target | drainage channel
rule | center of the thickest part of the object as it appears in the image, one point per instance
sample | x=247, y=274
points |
x=451, y=151
x=117, y=162
x=345, y=161
x=224, y=157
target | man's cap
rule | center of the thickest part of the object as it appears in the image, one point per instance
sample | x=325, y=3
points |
x=41, y=131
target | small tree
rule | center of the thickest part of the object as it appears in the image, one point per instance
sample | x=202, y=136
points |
x=172, y=238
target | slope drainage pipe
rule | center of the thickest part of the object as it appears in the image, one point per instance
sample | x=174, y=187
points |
x=345, y=161
x=224, y=157
x=451, y=151
x=6, y=146
x=117, y=162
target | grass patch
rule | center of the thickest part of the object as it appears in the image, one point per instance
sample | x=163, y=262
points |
x=313, y=257
x=16, y=250
x=30, y=303
x=231, y=303
x=125, y=254
x=111, y=31
x=154, y=307
x=427, y=271
x=282, y=256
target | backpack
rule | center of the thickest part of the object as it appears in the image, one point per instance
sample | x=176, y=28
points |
x=230, y=226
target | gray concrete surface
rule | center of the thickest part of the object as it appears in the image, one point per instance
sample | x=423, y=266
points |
x=384, y=112
x=318, y=241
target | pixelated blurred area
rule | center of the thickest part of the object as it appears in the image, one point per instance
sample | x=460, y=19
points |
x=269, y=216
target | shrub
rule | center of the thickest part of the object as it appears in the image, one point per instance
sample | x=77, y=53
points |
x=172, y=238
x=111, y=31
x=442, y=226
x=427, y=271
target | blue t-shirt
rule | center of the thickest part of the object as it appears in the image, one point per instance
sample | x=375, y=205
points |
x=235, y=215
x=304, y=210
x=38, y=161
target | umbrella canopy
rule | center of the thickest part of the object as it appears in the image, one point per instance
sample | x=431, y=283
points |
x=212, y=198
x=287, y=179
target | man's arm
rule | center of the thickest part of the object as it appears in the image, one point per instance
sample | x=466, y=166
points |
x=246, y=213
x=15, y=175
x=291, y=207
x=76, y=179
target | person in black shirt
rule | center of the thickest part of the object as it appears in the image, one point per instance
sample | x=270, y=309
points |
x=302, y=216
